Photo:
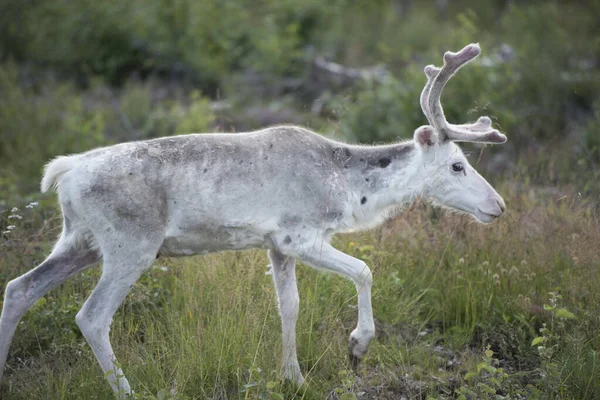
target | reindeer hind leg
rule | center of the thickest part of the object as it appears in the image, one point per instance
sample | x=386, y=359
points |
x=125, y=259
x=21, y=293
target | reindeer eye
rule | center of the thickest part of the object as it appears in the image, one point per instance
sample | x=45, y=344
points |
x=457, y=167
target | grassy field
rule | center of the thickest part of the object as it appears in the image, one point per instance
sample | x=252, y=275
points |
x=509, y=310
x=457, y=307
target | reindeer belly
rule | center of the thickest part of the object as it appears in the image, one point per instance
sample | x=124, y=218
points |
x=208, y=239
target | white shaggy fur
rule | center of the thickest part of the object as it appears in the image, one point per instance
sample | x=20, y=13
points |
x=284, y=189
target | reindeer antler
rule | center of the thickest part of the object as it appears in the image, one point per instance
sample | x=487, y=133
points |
x=480, y=131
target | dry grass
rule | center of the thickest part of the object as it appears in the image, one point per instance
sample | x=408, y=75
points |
x=445, y=287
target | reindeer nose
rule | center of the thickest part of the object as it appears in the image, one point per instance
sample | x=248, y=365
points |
x=501, y=204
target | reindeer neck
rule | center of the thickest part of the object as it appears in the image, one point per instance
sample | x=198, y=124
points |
x=382, y=177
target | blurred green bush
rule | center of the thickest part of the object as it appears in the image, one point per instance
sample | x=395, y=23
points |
x=208, y=38
x=80, y=73
x=537, y=67
x=38, y=123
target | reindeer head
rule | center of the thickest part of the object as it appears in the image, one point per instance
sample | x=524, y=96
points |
x=449, y=178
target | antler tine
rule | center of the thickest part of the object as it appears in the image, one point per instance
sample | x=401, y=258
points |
x=479, y=131
x=483, y=124
x=431, y=71
x=452, y=63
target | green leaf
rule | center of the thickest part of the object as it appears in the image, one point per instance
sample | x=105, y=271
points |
x=248, y=386
x=490, y=368
x=487, y=388
x=538, y=340
x=481, y=366
x=470, y=375
x=564, y=313
x=548, y=307
x=489, y=353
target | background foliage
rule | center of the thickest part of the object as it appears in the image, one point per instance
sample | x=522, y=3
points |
x=457, y=305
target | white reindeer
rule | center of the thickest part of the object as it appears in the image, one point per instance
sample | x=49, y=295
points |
x=285, y=189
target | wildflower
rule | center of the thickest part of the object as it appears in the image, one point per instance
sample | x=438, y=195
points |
x=530, y=276
x=5, y=232
x=496, y=279
x=32, y=204
x=14, y=210
x=486, y=263
x=10, y=227
x=575, y=259
x=13, y=216
x=461, y=260
x=513, y=270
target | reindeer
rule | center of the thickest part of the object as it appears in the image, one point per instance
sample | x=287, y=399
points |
x=284, y=189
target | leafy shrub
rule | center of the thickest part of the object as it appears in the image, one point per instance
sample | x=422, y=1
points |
x=56, y=119
x=197, y=117
x=529, y=84
x=205, y=39
x=382, y=112
x=41, y=125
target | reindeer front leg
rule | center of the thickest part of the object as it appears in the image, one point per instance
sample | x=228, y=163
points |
x=324, y=256
x=284, y=277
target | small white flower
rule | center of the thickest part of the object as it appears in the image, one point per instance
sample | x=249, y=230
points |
x=461, y=260
x=496, y=279
x=10, y=227
x=17, y=216
x=14, y=210
x=530, y=276
x=32, y=204
x=5, y=232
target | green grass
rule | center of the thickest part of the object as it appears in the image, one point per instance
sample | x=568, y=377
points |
x=445, y=289
x=79, y=74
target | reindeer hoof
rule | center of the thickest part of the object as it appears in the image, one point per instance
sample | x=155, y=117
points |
x=354, y=359
x=291, y=373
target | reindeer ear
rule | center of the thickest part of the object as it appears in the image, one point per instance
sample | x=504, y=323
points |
x=426, y=137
